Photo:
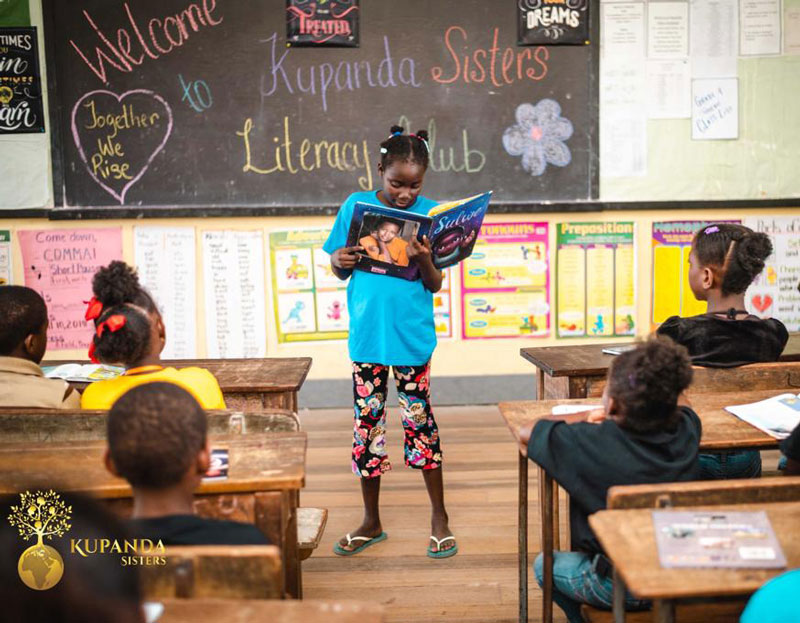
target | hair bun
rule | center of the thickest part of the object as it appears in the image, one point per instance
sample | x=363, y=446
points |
x=396, y=128
x=115, y=284
x=422, y=134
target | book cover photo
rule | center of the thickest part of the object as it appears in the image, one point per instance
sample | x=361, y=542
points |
x=385, y=233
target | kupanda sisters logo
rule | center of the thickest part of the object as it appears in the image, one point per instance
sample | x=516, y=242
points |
x=42, y=514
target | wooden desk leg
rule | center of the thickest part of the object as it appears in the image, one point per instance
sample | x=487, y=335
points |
x=523, y=539
x=546, y=511
x=664, y=611
x=618, y=605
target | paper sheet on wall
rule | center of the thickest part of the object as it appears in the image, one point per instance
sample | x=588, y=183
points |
x=759, y=27
x=623, y=118
x=233, y=283
x=776, y=292
x=669, y=89
x=715, y=109
x=622, y=30
x=5, y=257
x=505, y=283
x=59, y=264
x=672, y=296
x=667, y=30
x=791, y=30
x=595, y=279
x=165, y=259
x=713, y=38
x=309, y=301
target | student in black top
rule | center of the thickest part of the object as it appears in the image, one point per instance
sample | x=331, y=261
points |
x=724, y=260
x=157, y=442
x=641, y=435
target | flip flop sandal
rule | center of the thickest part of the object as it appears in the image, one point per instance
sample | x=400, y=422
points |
x=442, y=553
x=341, y=551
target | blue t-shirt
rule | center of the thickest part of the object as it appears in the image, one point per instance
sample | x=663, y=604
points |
x=776, y=601
x=391, y=319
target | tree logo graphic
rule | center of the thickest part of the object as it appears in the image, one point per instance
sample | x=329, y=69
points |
x=43, y=514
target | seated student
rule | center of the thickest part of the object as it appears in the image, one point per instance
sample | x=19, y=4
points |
x=384, y=244
x=640, y=436
x=130, y=332
x=23, y=341
x=724, y=260
x=791, y=450
x=776, y=601
x=157, y=442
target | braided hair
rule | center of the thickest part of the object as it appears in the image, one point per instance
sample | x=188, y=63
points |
x=117, y=288
x=737, y=250
x=401, y=147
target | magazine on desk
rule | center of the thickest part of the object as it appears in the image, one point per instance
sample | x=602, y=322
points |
x=717, y=539
x=385, y=233
x=82, y=373
x=777, y=416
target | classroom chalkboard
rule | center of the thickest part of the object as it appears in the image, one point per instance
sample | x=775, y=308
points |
x=201, y=104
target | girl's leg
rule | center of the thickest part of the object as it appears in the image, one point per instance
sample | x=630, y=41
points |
x=422, y=449
x=369, y=440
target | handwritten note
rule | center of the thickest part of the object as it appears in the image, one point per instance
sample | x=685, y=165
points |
x=165, y=259
x=715, y=109
x=59, y=264
x=233, y=278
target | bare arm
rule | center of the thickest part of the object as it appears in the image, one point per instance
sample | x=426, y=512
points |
x=343, y=260
x=420, y=252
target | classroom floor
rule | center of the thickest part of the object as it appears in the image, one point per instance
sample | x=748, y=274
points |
x=479, y=584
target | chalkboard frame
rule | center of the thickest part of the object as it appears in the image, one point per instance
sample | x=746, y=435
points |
x=60, y=212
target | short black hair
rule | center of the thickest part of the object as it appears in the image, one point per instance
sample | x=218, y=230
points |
x=117, y=287
x=391, y=221
x=155, y=431
x=22, y=313
x=647, y=381
x=744, y=249
x=401, y=147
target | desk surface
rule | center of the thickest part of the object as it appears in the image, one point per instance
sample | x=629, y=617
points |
x=256, y=463
x=721, y=430
x=628, y=539
x=272, y=611
x=589, y=359
x=276, y=374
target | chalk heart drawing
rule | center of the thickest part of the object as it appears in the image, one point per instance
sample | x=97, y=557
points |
x=107, y=103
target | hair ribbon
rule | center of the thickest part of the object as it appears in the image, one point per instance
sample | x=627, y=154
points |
x=424, y=142
x=711, y=230
x=114, y=324
x=94, y=309
x=92, y=358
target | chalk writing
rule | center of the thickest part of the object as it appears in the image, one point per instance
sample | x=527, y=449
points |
x=164, y=36
x=309, y=155
x=106, y=127
x=202, y=99
x=447, y=159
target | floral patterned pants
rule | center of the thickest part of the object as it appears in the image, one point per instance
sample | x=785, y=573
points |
x=369, y=438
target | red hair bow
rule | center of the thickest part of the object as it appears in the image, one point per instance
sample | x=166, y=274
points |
x=94, y=309
x=92, y=358
x=114, y=324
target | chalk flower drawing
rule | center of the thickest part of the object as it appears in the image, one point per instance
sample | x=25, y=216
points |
x=539, y=136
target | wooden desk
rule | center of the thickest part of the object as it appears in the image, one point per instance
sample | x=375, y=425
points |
x=721, y=431
x=247, y=384
x=265, y=475
x=272, y=611
x=628, y=539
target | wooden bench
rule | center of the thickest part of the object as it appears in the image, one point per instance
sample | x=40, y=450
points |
x=54, y=425
x=209, y=571
x=691, y=494
x=311, y=524
x=269, y=611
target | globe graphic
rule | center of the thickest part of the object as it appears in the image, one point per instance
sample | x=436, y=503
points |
x=40, y=567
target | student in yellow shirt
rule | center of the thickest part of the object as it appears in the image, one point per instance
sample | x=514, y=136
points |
x=129, y=331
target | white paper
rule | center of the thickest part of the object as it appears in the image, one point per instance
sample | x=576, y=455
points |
x=669, y=89
x=233, y=282
x=773, y=416
x=165, y=259
x=713, y=37
x=5, y=258
x=623, y=119
x=569, y=409
x=622, y=30
x=774, y=293
x=667, y=30
x=759, y=27
x=791, y=30
x=715, y=109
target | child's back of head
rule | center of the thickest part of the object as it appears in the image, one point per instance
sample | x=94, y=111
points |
x=23, y=313
x=155, y=432
x=735, y=250
x=645, y=384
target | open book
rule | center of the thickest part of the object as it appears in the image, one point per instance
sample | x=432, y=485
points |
x=385, y=233
x=705, y=538
x=777, y=416
x=86, y=373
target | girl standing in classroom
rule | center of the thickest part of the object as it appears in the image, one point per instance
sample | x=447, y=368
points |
x=724, y=260
x=391, y=325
